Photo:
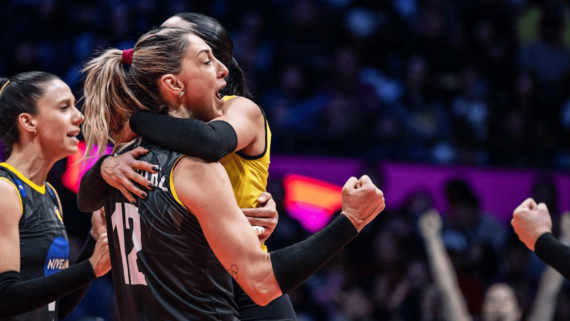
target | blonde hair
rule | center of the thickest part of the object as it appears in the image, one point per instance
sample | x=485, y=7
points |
x=112, y=94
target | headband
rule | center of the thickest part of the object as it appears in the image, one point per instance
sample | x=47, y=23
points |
x=2, y=89
x=127, y=57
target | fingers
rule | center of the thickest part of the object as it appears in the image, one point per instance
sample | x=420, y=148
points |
x=138, y=152
x=258, y=230
x=365, y=181
x=350, y=184
x=265, y=222
x=127, y=195
x=528, y=204
x=263, y=198
x=542, y=206
x=259, y=212
x=141, y=180
x=143, y=166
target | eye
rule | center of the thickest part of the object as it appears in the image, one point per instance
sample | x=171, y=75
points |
x=207, y=63
x=64, y=107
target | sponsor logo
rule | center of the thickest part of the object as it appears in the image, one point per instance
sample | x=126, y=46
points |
x=58, y=256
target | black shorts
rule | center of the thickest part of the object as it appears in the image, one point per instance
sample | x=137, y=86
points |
x=279, y=309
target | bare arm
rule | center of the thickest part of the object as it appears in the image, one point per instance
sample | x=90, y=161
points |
x=10, y=214
x=550, y=282
x=442, y=269
x=204, y=188
x=248, y=122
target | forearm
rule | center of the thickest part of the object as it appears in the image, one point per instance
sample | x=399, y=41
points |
x=209, y=141
x=554, y=253
x=17, y=297
x=446, y=279
x=68, y=303
x=92, y=189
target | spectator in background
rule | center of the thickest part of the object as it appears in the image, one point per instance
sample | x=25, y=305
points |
x=501, y=302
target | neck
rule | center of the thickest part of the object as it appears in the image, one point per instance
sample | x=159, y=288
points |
x=31, y=161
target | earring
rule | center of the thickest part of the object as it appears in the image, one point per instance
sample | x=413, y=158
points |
x=35, y=131
x=181, y=94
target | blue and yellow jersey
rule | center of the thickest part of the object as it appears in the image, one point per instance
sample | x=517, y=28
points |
x=44, y=247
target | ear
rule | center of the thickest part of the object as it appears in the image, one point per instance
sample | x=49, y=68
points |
x=171, y=84
x=28, y=122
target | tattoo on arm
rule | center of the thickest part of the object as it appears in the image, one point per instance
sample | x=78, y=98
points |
x=233, y=271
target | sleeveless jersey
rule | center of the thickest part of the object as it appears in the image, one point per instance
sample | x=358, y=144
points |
x=44, y=247
x=248, y=174
x=163, y=267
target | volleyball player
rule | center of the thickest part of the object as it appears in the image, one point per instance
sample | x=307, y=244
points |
x=169, y=251
x=39, y=124
x=240, y=139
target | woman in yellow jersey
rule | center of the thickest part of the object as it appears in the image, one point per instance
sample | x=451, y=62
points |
x=39, y=125
x=239, y=138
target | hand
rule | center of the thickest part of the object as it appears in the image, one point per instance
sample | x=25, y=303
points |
x=362, y=201
x=98, y=223
x=100, y=260
x=530, y=221
x=430, y=224
x=119, y=172
x=126, y=134
x=264, y=218
x=565, y=226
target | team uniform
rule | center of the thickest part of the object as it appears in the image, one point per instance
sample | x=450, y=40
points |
x=44, y=246
x=248, y=175
x=163, y=267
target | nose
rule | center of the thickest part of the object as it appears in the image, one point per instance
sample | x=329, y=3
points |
x=78, y=117
x=222, y=70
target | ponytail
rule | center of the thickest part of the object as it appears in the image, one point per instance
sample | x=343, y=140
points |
x=108, y=100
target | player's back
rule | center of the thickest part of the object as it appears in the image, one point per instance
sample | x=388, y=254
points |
x=163, y=267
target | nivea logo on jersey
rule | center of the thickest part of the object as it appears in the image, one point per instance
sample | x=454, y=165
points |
x=58, y=256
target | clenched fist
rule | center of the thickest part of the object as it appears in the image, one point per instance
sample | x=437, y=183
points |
x=530, y=221
x=362, y=201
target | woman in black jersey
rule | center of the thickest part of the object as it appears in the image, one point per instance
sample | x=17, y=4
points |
x=39, y=125
x=170, y=250
x=210, y=143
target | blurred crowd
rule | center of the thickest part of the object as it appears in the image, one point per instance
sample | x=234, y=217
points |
x=446, y=81
x=482, y=82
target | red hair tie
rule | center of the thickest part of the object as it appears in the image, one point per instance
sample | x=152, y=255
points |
x=127, y=58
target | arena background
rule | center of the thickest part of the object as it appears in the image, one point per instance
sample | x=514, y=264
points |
x=460, y=105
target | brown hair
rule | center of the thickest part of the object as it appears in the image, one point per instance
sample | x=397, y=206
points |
x=112, y=93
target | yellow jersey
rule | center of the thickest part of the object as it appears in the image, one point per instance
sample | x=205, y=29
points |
x=248, y=174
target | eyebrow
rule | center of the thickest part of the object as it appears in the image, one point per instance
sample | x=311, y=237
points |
x=203, y=50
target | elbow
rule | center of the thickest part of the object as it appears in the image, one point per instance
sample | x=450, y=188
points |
x=260, y=293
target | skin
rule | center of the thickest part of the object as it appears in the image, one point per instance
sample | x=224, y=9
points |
x=530, y=221
x=500, y=304
x=44, y=139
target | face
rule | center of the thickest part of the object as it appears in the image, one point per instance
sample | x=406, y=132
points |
x=58, y=120
x=500, y=304
x=202, y=76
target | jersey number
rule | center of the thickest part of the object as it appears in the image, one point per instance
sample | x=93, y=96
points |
x=132, y=274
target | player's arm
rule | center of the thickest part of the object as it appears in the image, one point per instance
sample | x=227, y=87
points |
x=17, y=297
x=238, y=128
x=204, y=188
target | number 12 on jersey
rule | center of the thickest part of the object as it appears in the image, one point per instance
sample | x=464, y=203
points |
x=122, y=221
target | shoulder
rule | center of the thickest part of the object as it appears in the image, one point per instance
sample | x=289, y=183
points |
x=198, y=167
x=11, y=201
x=243, y=105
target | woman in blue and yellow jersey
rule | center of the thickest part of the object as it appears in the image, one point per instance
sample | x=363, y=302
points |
x=39, y=125
x=239, y=138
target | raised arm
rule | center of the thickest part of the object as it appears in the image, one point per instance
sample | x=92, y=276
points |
x=18, y=297
x=237, y=129
x=550, y=282
x=441, y=267
x=204, y=188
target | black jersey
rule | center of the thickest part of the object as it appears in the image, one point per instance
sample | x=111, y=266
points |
x=163, y=267
x=44, y=247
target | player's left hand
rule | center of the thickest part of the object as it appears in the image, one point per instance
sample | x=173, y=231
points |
x=98, y=223
x=530, y=221
x=264, y=216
